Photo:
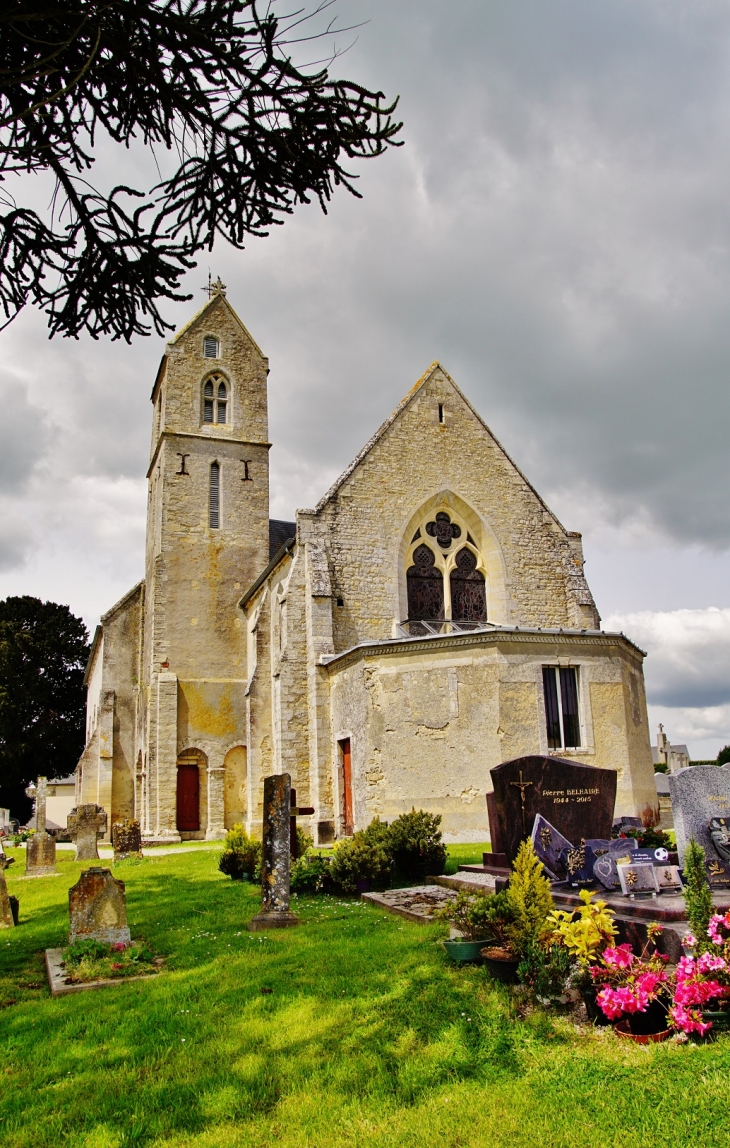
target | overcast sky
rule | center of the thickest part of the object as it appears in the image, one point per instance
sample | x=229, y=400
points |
x=556, y=230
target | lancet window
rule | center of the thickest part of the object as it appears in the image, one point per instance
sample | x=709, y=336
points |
x=215, y=400
x=445, y=573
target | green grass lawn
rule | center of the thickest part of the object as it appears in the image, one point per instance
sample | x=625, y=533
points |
x=365, y=1036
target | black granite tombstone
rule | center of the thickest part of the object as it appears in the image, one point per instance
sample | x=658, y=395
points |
x=578, y=800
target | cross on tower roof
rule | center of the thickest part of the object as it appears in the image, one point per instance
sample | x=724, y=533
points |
x=216, y=287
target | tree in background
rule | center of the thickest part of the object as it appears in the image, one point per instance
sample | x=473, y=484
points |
x=723, y=756
x=43, y=652
x=206, y=84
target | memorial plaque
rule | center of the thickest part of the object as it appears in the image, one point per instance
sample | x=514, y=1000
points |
x=604, y=868
x=718, y=872
x=668, y=879
x=548, y=845
x=700, y=794
x=576, y=799
x=578, y=863
x=639, y=878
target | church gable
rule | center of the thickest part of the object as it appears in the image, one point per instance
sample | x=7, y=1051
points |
x=435, y=466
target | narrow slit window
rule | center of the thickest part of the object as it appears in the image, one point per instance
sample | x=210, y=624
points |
x=222, y=403
x=211, y=347
x=560, y=685
x=208, y=402
x=214, y=496
x=441, y=412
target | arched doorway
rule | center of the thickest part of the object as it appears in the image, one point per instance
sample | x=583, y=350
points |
x=188, y=795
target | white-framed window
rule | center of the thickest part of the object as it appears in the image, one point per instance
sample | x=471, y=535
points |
x=214, y=496
x=215, y=400
x=211, y=347
x=562, y=710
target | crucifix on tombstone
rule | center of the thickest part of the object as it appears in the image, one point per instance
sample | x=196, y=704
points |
x=296, y=811
x=522, y=786
x=86, y=823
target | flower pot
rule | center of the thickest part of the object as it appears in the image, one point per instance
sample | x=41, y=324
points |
x=463, y=951
x=622, y=1029
x=594, y=1012
x=718, y=1018
x=652, y=1020
x=501, y=964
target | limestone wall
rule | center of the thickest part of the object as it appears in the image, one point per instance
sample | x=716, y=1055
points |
x=427, y=721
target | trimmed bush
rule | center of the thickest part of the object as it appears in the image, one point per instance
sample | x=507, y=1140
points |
x=311, y=874
x=359, y=859
x=415, y=845
x=241, y=856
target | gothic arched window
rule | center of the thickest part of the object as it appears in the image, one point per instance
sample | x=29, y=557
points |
x=468, y=590
x=222, y=403
x=425, y=586
x=445, y=578
x=215, y=400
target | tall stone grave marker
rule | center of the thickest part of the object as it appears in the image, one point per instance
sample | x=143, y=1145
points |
x=700, y=794
x=85, y=824
x=97, y=908
x=126, y=839
x=7, y=917
x=40, y=851
x=276, y=856
x=577, y=800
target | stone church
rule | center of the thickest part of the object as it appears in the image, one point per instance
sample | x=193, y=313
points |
x=427, y=620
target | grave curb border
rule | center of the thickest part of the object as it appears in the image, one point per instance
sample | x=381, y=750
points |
x=57, y=976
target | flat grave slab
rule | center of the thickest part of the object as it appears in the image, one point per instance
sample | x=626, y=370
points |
x=466, y=880
x=57, y=977
x=415, y=904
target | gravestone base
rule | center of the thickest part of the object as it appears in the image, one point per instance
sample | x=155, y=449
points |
x=40, y=856
x=273, y=920
x=57, y=977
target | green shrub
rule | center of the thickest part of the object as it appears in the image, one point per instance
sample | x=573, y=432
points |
x=358, y=859
x=85, y=950
x=305, y=842
x=415, y=845
x=241, y=856
x=310, y=874
x=529, y=897
x=697, y=894
x=473, y=913
x=545, y=971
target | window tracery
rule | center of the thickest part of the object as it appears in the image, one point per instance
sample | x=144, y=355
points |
x=215, y=400
x=445, y=573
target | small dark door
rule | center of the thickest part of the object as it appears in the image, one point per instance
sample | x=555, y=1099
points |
x=347, y=786
x=188, y=797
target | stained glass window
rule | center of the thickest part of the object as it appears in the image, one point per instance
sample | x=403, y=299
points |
x=468, y=592
x=425, y=586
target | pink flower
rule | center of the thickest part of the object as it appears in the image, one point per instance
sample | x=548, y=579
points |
x=688, y=1020
x=689, y=941
x=610, y=1003
x=648, y=982
x=707, y=963
x=619, y=958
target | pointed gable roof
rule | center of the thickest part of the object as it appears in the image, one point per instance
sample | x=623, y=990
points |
x=405, y=402
x=216, y=300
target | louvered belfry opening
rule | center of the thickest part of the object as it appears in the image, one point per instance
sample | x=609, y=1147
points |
x=210, y=347
x=214, y=500
x=222, y=403
x=425, y=586
x=468, y=590
x=208, y=401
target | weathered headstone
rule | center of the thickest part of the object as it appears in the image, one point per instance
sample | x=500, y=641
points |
x=578, y=800
x=126, y=839
x=276, y=856
x=86, y=824
x=637, y=878
x=604, y=868
x=7, y=917
x=97, y=908
x=40, y=850
x=700, y=794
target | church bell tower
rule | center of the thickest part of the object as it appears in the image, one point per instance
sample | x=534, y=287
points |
x=207, y=541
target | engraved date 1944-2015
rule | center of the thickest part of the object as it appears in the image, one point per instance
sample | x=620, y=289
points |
x=563, y=796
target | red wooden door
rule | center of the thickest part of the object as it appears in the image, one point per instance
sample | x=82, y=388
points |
x=188, y=797
x=347, y=786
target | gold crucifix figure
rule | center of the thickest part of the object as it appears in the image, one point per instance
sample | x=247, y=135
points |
x=522, y=786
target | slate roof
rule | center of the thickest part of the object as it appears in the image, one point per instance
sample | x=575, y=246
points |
x=279, y=533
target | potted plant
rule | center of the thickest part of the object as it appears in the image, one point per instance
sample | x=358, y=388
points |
x=584, y=934
x=470, y=914
x=635, y=991
x=499, y=955
x=702, y=981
